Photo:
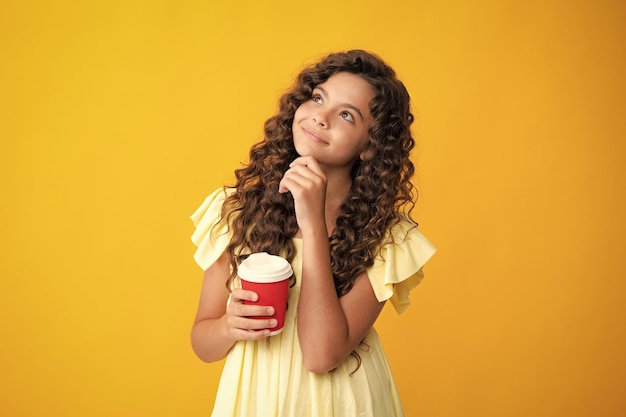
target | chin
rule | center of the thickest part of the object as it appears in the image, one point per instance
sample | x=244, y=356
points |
x=302, y=150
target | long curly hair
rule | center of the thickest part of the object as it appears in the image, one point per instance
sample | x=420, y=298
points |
x=262, y=219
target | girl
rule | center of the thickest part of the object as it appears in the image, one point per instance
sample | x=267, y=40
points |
x=328, y=189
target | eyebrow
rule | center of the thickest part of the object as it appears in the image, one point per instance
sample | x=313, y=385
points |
x=350, y=106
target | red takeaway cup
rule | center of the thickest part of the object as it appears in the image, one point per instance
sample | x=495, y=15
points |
x=268, y=276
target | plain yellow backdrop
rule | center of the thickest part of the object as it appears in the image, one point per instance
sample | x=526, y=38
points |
x=118, y=117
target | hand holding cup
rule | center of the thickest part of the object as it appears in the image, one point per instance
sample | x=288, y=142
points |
x=266, y=278
x=248, y=321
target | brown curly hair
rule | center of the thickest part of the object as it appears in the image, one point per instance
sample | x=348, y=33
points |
x=262, y=219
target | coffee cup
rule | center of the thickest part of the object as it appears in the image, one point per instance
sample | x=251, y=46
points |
x=268, y=276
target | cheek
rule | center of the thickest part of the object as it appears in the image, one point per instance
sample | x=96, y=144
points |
x=294, y=119
x=363, y=142
x=297, y=116
x=305, y=109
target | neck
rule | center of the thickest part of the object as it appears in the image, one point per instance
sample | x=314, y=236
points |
x=338, y=182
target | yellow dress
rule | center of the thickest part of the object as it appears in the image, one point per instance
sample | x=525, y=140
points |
x=268, y=379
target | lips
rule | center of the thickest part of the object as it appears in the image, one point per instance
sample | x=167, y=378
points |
x=314, y=136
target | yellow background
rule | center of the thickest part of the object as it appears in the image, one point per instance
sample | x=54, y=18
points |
x=118, y=117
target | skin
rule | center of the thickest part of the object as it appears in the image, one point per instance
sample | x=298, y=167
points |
x=330, y=133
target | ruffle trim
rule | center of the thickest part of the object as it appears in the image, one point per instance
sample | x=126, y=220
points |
x=211, y=236
x=398, y=267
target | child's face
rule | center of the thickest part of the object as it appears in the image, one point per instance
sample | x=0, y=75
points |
x=333, y=125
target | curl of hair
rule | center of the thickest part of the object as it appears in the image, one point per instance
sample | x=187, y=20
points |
x=262, y=219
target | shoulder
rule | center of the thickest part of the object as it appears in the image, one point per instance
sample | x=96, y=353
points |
x=405, y=232
x=405, y=243
x=212, y=204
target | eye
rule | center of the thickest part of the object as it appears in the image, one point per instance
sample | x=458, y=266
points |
x=317, y=98
x=347, y=116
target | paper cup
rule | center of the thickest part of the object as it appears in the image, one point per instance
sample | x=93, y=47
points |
x=268, y=276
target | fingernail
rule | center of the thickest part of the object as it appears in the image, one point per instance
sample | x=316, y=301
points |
x=255, y=297
x=273, y=323
x=270, y=311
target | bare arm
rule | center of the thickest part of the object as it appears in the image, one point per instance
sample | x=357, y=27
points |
x=329, y=327
x=219, y=324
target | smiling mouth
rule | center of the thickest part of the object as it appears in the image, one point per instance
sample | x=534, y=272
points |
x=313, y=136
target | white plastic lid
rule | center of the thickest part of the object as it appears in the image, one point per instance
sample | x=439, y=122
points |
x=263, y=267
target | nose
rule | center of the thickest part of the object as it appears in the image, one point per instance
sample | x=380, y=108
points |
x=320, y=119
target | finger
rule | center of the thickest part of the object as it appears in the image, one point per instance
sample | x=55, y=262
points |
x=304, y=160
x=295, y=185
x=304, y=176
x=287, y=181
x=250, y=329
x=249, y=310
x=295, y=176
x=283, y=187
x=239, y=334
x=308, y=162
x=291, y=180
x=254, y=324
x=240, y=295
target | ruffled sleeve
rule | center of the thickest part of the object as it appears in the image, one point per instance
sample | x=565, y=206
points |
x=398, y=267
x=211, y=236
